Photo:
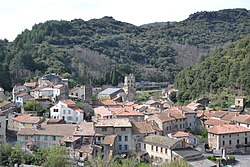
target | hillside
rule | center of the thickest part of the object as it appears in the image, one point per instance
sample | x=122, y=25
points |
x=225, y=70
x=89, y=50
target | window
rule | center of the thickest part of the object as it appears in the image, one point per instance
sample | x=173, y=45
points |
x=0, y=124
x=45, y=137
x=64, y=112
x=120, y=147
x=156, y=149
x=180, y=126
x=238, y=141
x=123, y=129
x=126, y=138
x=55, y=110
x=245, y=140
x=104, y=129
x=72, y=93
x=69, y=112
x=190, y=124
x=76, y=94
x=161, y=149
x=245, y=134
x=152, y=148
x=166, y=151
x=238, y=134
x=229, y=135
x=38, y=137
x=77, y=119
x=223, y=136
x=230, y=142
x=69, y=118
x=120, y=138
x=125, y=147
x=223, y=143
x=144, y=146
x=54, y=138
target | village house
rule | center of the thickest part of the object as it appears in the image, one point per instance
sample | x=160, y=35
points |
x=127, y=112
x=47, y=135
x=185, y=136
x=24, y=121
x=175, y=119
x=21, y=98
x=116, y=132
x=67, y=110
x=30, y=85
x=242, y=120
x=7, y=107
x=209, y=123
x=230, y=137
x=102, y=113
x=140, y=129
x=83, y=93
x=157, y=148
x=107, y=104
x=17, y=90
x=2, y=128
x=109, y=93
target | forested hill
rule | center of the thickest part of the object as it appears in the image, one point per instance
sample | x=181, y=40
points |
x=226, y=70
x=90, y=50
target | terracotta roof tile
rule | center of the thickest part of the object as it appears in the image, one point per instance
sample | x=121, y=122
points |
x=141, y=127
x=215, y=122
x=22, y=117
x=165, y=117
x=227, y=129
x=242, y=119
x=162, y=141
x=181, y=134
x=68, y=102
x=126, y=111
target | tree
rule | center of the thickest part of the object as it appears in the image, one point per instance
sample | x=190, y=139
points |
x=58, y=156
x=16, y=156
x=88, y=110
x=173, y=97
x=31, y=105
x=5, y=153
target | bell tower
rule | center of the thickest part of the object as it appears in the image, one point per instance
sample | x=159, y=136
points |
x=129, y=86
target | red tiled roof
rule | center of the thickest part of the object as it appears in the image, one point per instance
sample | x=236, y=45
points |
x=227, y=129
x=165, y=117
x=229, y=116
x=106, y=103
x=181, y=134
x=22, y=117
x=242, y=119
x=219, y=114
x=68, y=102
x=125, y=111
x=215, y=122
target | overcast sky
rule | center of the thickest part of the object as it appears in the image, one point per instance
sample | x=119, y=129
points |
x=17, y=15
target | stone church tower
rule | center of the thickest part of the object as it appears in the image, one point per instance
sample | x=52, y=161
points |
x=129, y=86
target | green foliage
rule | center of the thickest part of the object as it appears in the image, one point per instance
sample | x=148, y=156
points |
x=5, y=153
x=173, y=97
x=224, y=72
x=31, y=105
x=87, y=108
x=57, y=156
x=88, y=49
x=212, y=158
